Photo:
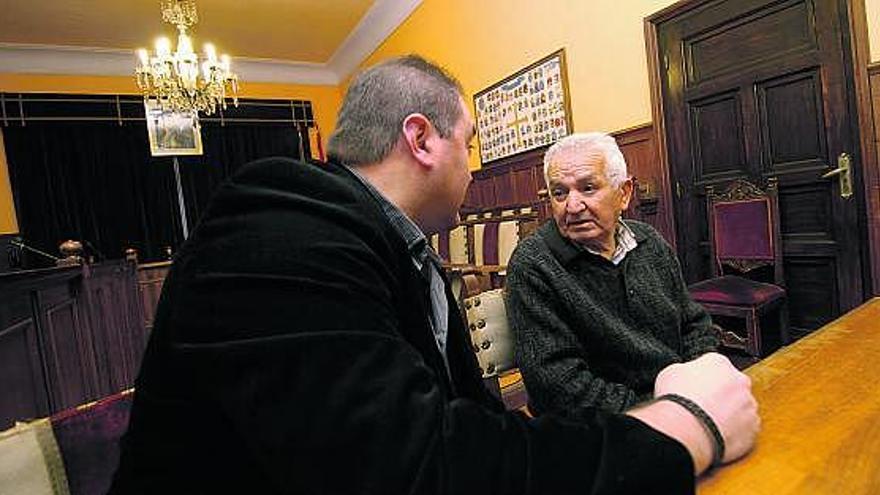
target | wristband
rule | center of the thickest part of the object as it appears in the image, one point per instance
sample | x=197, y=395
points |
x=705, y=419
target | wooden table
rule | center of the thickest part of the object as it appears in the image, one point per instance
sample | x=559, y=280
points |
x=820, y=407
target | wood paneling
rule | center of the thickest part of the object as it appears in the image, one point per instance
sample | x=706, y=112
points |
x=651, y=199
x=790, y=112
x=758, y=37
x=115, y=304
x=151, y=277
x=761, y=89
x=509, y=183
x=67, y=346
x=718, y=145
x=872, y=175
x=67, y=336
x=24, y=392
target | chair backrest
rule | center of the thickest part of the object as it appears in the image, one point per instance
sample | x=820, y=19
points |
x=486, y=315
x=744, y=227
x=74, y=452
x=88, y=438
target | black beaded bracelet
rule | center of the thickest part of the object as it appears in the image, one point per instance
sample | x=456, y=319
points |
x=705, y=419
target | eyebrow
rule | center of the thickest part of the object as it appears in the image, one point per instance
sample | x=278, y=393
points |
x=590, y=177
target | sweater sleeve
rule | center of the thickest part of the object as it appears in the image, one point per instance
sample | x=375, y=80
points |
x=697, y=335
x=553, y=363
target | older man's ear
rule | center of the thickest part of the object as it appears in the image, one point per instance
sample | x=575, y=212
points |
x=626, y=193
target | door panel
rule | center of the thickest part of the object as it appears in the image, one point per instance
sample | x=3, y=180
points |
x=756, y=89
x=717, y=139
x=792, y=122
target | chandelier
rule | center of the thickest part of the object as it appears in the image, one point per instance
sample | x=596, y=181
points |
x=177, y=81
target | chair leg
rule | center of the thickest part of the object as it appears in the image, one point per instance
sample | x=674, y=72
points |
x=753, y=334
x=783, y=323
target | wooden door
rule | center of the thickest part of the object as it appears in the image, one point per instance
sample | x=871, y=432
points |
x=756, y=89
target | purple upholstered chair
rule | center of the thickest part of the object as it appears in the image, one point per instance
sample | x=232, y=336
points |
x=88, y=438
x=744, y=234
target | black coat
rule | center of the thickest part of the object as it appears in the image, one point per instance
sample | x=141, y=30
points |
x=292, y=353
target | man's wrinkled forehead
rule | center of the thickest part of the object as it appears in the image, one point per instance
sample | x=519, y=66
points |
x=577, y=162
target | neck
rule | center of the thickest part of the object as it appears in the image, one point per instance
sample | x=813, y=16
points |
x=606, y=250
x=604, y=247
x=395, y=181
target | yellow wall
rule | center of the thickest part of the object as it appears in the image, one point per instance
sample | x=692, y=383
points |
x=7, y=208
x=325, y=104
x=483, y=41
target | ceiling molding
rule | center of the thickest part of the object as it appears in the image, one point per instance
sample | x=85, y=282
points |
x=376, y=25
x=69, y=60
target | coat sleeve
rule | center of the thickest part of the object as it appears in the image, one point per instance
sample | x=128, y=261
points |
x=552, y=360
x=299, y=348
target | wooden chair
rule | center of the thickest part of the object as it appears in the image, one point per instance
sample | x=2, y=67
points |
x=492, y=339
x=74, y=452
x=744, y=234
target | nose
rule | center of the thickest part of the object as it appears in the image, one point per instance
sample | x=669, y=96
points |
x=574, y=203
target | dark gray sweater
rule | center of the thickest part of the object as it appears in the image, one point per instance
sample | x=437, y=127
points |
x=592, y=334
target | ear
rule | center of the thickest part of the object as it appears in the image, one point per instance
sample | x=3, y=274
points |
x=626, y=192
x=417, y=134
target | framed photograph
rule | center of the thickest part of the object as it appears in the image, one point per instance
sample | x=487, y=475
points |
x=527, y=110
x=172, y=133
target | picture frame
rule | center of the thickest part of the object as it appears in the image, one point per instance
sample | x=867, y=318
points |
x=172, y=133
x=527, y=110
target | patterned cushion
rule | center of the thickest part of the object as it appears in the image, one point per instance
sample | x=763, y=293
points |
x=30, y=462
x=479, y=235
x=490, y=335
x=508, y=237
x=735, y=291
x=458, y=248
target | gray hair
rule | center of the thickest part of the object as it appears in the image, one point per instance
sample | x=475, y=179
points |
x=588, y=145
x=381, y=97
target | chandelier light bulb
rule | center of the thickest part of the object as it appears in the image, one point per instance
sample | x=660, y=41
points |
x=210, y=52
x=144, y=57
x=175, y=78
x=163, y=47
x=184, y=44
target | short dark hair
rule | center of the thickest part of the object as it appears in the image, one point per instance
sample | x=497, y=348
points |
x=381, y=97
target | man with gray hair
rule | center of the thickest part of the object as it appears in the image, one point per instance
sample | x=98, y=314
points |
x=306, y=340
x=597, y=304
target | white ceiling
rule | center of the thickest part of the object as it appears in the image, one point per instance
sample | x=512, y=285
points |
x=291, y=41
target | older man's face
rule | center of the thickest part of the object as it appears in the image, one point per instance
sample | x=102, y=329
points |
x=586, y=206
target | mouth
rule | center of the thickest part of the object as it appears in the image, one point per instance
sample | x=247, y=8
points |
x=579, y=222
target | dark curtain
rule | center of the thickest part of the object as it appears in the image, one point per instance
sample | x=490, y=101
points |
x=96, y=181
x=226, y=148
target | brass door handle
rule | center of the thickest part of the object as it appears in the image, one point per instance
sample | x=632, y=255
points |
x=844, y=175
x=834, y=172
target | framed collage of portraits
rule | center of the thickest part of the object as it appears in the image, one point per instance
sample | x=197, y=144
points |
x=527, y=110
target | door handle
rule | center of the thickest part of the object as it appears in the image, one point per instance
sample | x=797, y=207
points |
x=844, y=175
